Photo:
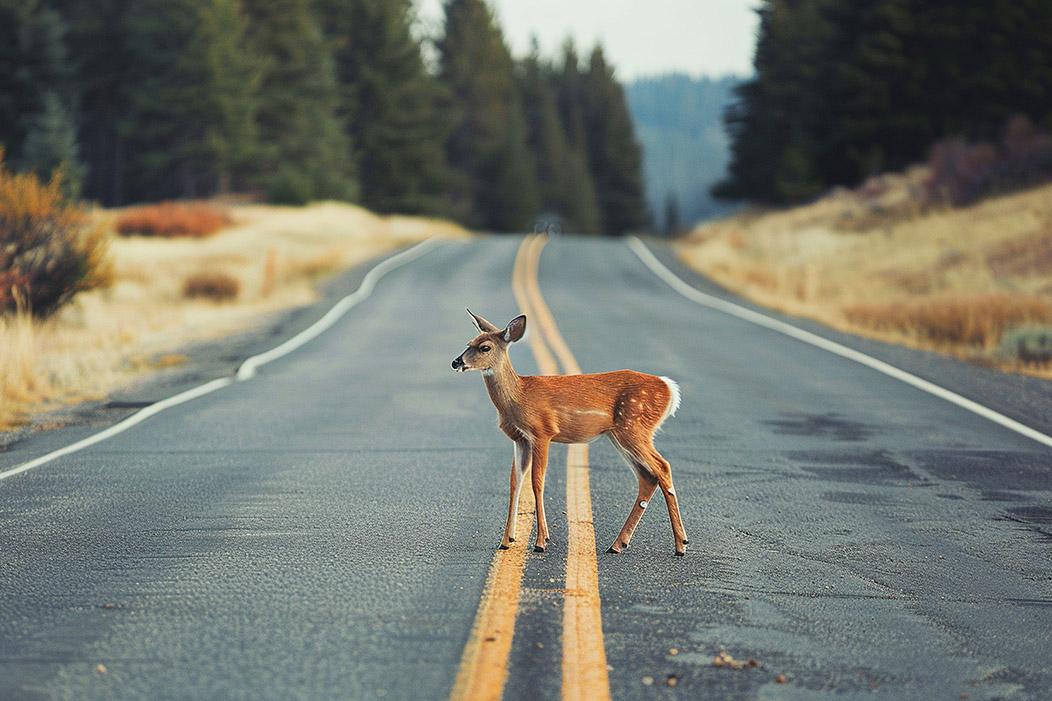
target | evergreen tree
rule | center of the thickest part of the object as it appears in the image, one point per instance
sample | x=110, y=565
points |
x=190, y=125
x=848, y=88
x=672, y=219
x=390, y=104
x=615, y=158
x=106, y=78
x=564, y=183
x=487, y=144
x=37, y=131
x=51, y=145
x=304, y=151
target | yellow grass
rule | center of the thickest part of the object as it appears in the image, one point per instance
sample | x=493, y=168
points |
x=107, y=338
x=951, y=280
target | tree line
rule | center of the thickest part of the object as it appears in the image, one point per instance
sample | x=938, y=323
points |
x=845, y=89
x=297, y=100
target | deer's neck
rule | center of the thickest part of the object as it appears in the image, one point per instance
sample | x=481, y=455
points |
x=504, y=386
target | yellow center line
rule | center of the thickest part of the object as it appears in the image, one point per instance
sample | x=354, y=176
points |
x=584, y=655
x=483, y=667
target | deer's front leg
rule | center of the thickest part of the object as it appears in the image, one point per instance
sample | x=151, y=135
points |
x=519, y=464
x=540, y=464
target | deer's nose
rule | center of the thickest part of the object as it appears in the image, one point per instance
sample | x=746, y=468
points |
x=457, y=363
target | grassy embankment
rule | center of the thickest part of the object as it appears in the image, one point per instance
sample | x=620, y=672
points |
x=959, y=281
x=268, y=259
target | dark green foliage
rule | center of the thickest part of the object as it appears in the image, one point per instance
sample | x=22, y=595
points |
x=672, y=225
x=391, y=105
x=301, y=137
x=487, y=144
x=37, y=128
x=51, y=145
x=190, y=127
x=679, y=121
x=848, y=88
x=105, y=79
x=614, y=156
x=1030, y=345
x=564, y=182
x=293, y=99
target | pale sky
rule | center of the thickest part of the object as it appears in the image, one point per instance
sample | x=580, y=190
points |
x=640, y=37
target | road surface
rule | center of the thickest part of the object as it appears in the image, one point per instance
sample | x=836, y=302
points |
x=327, y=529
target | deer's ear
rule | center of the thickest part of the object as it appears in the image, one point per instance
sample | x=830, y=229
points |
x=482, y=325
x=516, y=329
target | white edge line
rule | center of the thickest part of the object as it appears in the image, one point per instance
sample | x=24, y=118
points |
x=677, y=284
x=247, y=369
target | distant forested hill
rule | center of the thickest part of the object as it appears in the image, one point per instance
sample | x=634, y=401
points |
x=679, y=121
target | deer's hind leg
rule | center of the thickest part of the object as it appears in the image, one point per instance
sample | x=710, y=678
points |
x=647, y=486
x=663, y=472
x=653, y=471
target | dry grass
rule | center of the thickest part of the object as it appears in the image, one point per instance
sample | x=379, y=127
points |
x=173, y=220
x=873, y=262
x=108, y=338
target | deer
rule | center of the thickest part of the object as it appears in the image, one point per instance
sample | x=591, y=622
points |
x=626, y=406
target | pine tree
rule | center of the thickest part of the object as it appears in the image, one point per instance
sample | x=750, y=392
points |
x=672, y=219
x=190, y=126
x=487, y=144
x=615, y=158
x=106, y=77
x=564, y=183
x=390, y=104
x=304, y=150
x=37, y=130
x=51, y=145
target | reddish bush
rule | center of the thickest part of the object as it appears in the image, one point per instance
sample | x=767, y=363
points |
x=49, y=250
x=217, y=287
x=962, y=173
x=173, y=219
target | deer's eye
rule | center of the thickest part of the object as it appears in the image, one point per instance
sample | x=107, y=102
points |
x=484, y=349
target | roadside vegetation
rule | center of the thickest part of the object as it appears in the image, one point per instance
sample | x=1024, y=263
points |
x=307, y=100
x=886, y=262
x=908, y=146
x=133, y=300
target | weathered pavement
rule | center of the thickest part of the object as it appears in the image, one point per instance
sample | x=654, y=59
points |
x=325, y=530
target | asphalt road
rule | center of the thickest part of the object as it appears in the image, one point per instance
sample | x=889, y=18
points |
x=325, y=529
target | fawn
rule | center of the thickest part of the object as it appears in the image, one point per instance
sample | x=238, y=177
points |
x=627, y=406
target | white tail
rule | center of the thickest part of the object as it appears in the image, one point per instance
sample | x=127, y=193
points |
x=626, y=406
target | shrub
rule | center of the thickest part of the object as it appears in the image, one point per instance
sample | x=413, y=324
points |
x=978, y=320
x=214, y=286
x=290, y=186
x=49, y=250
x=173, y=220
x=1030, y=345
x=962, y=173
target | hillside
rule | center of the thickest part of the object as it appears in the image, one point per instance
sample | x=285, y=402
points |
x=975, y=282
x=679, y=121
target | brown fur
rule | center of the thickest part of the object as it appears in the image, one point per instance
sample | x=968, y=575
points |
x=533, y=411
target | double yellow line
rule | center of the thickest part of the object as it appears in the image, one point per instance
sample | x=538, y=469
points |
x=483, y=668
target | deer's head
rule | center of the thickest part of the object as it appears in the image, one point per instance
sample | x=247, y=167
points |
x=489, y=349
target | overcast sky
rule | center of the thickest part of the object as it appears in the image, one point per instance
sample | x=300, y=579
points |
x=640, y=37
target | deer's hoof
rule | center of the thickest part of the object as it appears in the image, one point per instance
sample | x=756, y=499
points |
x=611, y=550
x=681, y=553
x=538, y=548
x=502, y=546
